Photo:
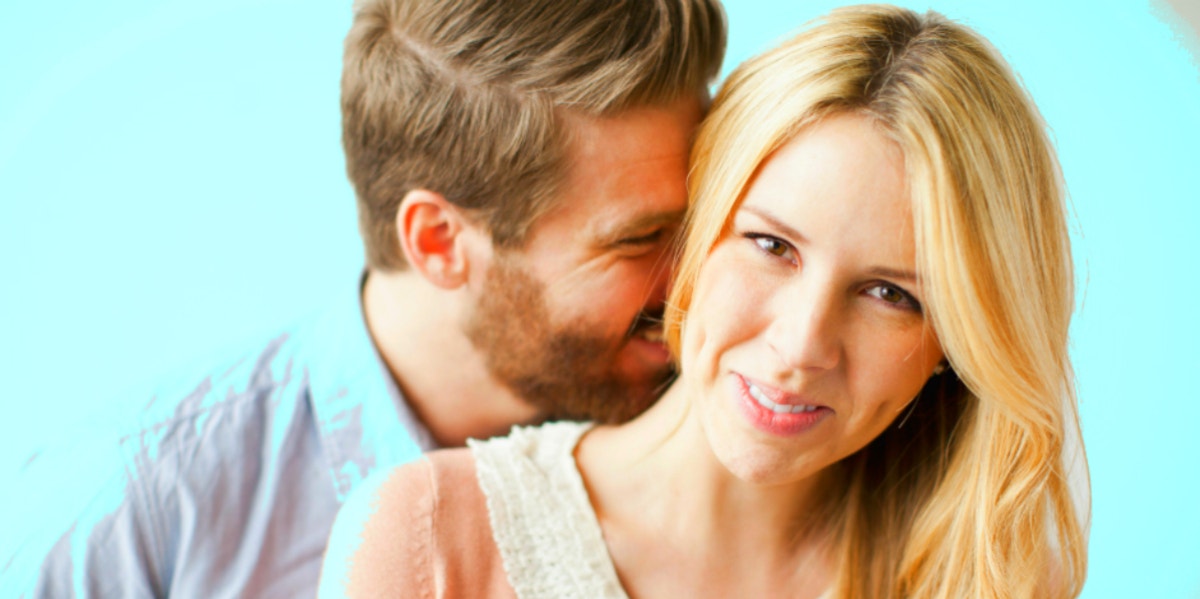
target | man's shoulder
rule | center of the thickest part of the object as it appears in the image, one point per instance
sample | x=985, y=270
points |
x=213, y=435
x=239, y=386
x=250, y=372
x=216, y=411
x=224, y=418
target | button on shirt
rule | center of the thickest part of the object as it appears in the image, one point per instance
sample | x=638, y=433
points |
x=231, y=484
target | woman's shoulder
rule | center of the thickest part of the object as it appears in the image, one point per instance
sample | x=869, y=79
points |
x=530, y=472
x=544, y=448
x=409, y=494
x=474, y=522
x=422, y=525
x=542, y=520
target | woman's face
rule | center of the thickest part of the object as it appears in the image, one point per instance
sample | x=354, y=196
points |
x=806, y=337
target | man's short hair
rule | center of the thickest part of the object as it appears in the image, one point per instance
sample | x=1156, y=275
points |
x=467, y=98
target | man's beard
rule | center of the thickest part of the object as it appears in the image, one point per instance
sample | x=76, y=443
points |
x=566, y=371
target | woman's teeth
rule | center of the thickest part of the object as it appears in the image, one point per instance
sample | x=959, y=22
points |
x=778, y=408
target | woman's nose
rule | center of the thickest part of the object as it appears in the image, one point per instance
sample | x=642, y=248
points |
x=806, y=332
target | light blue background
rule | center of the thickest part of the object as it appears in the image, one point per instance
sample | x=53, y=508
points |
x=171, y=182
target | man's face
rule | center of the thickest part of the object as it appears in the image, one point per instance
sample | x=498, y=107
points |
x=572, y=321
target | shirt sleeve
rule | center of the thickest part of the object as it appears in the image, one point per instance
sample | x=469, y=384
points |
x=93, y=529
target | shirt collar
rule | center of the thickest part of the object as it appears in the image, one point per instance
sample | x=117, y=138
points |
x=364, y=422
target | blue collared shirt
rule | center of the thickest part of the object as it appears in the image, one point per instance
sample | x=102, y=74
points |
x=230, y=485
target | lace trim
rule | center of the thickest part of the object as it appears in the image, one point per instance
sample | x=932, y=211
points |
x=545, y=529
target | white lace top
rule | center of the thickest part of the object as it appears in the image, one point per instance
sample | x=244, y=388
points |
x=543, y=523
x=542, y=520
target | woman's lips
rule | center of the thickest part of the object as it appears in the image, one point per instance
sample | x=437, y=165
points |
x=772, y=411
x=779, y=408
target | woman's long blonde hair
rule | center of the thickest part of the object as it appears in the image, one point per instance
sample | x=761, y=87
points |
x=971, y=497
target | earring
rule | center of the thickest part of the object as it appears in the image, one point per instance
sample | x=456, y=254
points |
x=940, y=368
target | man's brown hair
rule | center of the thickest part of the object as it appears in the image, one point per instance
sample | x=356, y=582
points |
x=467, y=98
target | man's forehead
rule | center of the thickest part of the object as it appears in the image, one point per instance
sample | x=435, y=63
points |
x=626, y=208
x=626, y=173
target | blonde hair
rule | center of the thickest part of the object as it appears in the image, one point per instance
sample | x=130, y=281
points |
x=466, y=97
x=971, y=498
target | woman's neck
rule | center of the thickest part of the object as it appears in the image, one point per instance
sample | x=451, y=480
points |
x=672, y=513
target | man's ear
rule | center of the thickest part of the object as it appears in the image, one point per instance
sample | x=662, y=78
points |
x=434, y=235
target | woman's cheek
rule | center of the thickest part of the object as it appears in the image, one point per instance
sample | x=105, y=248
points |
x=723, y=308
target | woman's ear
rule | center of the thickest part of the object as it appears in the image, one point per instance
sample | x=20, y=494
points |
x=433, y=234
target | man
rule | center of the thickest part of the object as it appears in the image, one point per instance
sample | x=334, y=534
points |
x=519, y=168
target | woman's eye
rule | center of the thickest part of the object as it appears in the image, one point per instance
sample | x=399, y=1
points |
x=895, y=296
x=771, y=245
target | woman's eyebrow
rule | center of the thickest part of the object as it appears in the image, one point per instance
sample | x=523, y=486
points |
x=774, y=221
x=893, y=273
x=777, y=223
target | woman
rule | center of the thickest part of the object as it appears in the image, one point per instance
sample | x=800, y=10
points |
x=870, y=317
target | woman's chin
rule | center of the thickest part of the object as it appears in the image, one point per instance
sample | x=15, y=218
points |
x=755, y=461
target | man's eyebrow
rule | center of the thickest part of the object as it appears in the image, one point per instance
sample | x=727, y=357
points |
x=615, y=232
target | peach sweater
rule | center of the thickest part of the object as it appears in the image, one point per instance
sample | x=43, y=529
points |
x=506, y=518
